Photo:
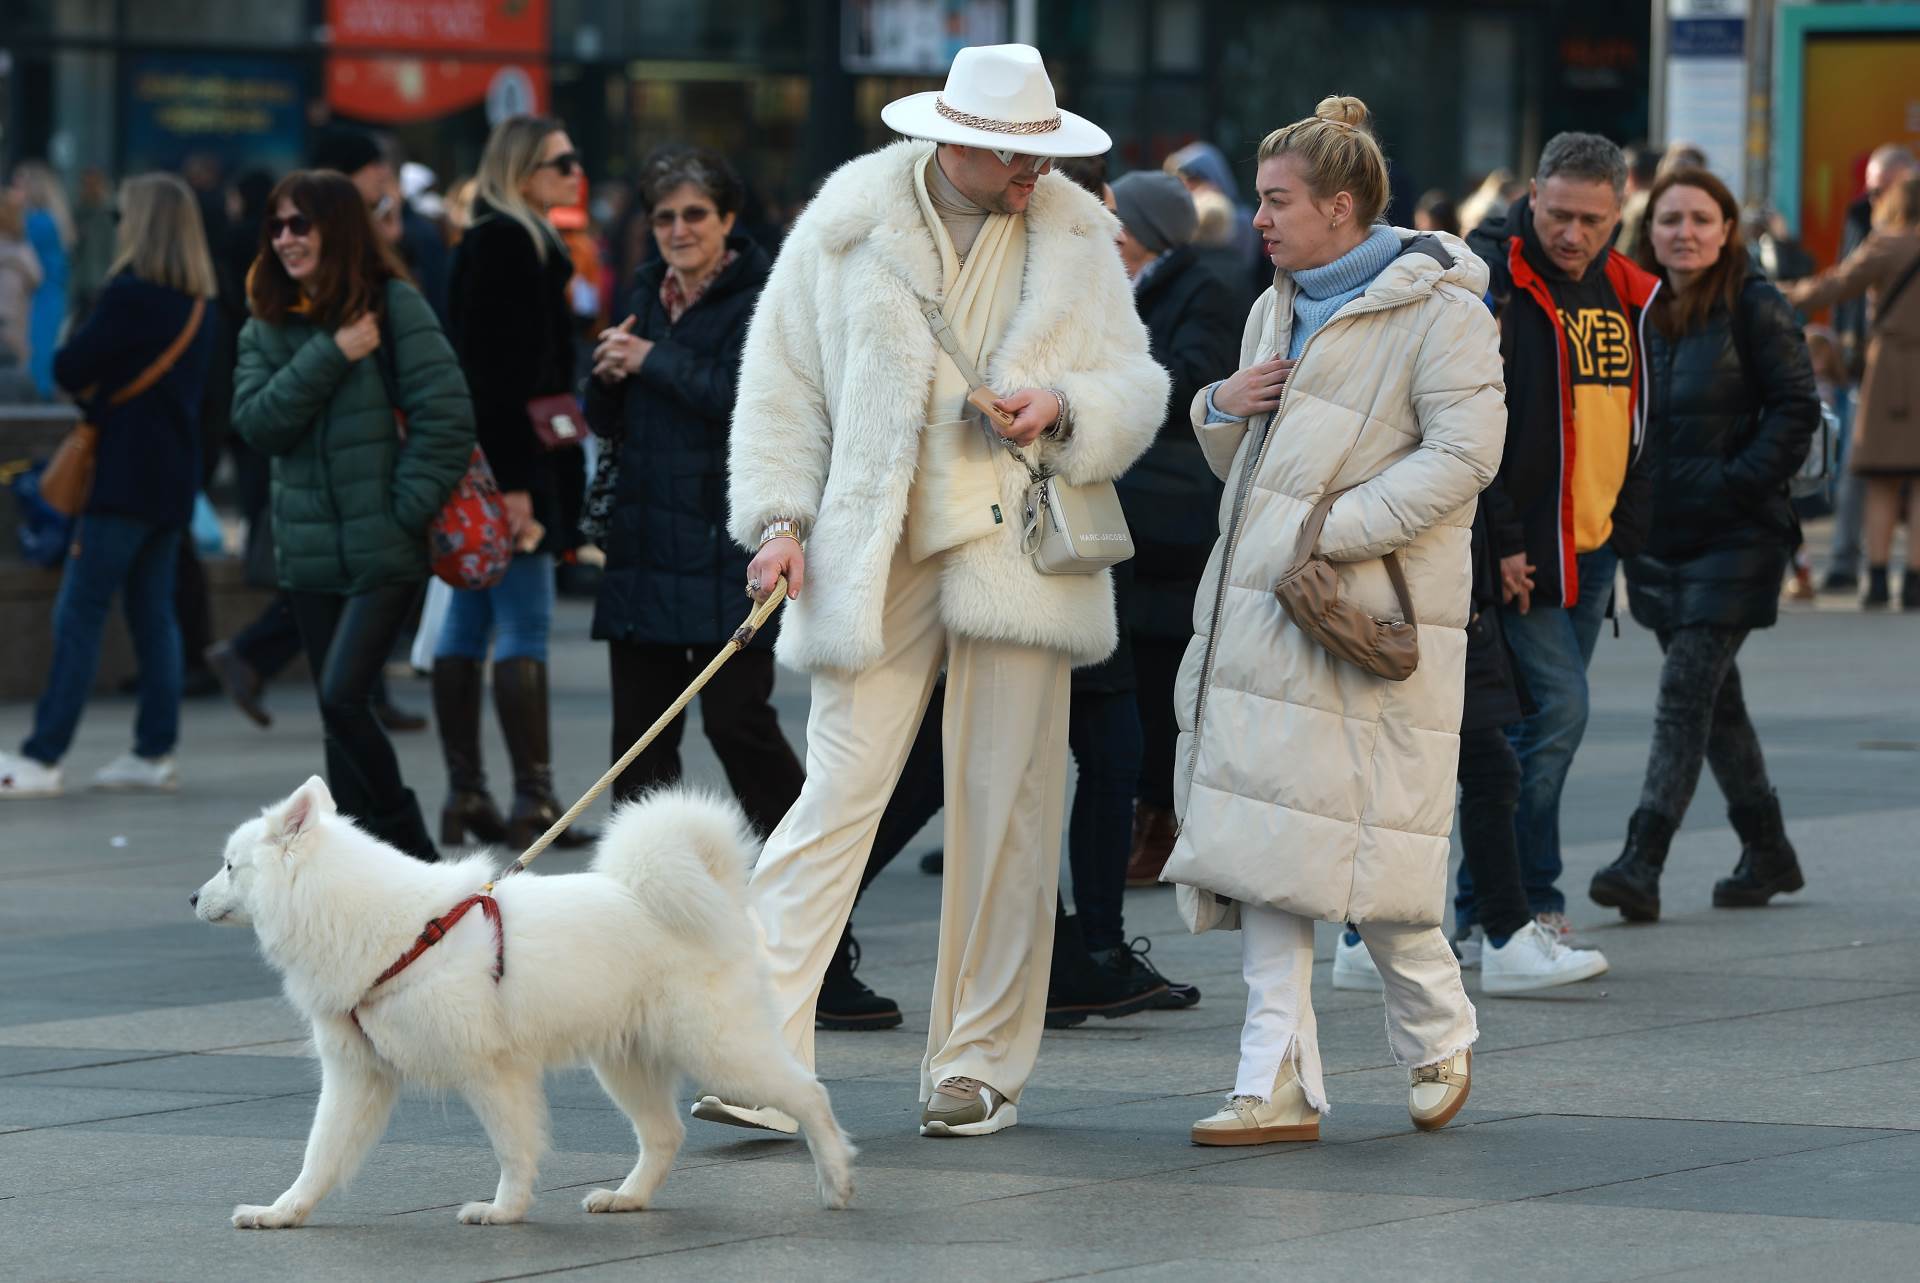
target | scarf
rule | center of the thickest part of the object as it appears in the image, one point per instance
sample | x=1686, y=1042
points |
x=676, y=298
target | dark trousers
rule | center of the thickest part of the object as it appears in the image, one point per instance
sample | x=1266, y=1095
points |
x=1156, y=670
x=270, y=642
x=1489, y=797
x=1701, y=715
x=347, y=640
x=736, y=711
x=1104, y=734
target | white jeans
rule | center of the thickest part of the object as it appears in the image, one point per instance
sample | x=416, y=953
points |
x=1005, y=740
x=1428, y=1015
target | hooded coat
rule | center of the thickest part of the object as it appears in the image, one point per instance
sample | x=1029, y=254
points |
x=833, y=396
x=1303, y=782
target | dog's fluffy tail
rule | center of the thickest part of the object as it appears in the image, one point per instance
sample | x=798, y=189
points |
x=684, y=853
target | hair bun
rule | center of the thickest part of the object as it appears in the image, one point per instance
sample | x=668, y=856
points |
x=1344, y=110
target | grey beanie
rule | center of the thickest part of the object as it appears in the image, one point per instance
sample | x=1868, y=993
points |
x=1156, y=208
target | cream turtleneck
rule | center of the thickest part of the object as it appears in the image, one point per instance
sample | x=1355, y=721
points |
x=960, y=216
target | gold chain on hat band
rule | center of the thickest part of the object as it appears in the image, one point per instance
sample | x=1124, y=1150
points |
x=996, y=126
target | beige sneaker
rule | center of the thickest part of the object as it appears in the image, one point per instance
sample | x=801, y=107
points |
x=966, y=1107
x=768, y=1119
x=1248, y=1120
x=1435, y=1093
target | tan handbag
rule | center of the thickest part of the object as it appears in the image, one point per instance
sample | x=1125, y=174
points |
x=1310, y=594
x=67, y=480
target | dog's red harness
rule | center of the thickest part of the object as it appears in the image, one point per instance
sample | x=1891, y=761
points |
x=433, y=933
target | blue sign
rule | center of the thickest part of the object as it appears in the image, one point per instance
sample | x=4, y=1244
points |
x=250, y=113
x=1708, y=38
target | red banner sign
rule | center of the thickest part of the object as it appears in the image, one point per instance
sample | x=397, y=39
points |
x=439, y=26
x=402, y=66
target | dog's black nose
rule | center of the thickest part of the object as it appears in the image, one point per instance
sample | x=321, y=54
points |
x=194, y=900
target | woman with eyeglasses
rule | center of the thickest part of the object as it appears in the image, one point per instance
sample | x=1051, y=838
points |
x=513, y=329
x=662, y=395
x=138, y=367
x=335, y=325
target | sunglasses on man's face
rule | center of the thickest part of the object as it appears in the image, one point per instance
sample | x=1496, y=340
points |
x=1020, y=160
x=564, y=164
x=692, y=216
x=298, y=225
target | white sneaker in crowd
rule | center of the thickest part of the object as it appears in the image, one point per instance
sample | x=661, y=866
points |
x=130, y=773
x=24, y=777
x=1533, y=959
x=1468, y=946
x=1353, y=966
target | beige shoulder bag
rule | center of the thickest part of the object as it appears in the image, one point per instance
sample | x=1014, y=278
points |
x=1067, y=529
x=1310, y=594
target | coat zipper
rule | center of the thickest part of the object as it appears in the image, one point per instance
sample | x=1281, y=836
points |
x=1247, y=474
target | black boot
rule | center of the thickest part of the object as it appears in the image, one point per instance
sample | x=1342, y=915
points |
x=1877, y=597
x=1631, y=883
x=468, y=810
x=844, y=1002
x=1130, y=960
x=520, y=697
x=1768, y=866
x=1910, y=589
x=1080, y=987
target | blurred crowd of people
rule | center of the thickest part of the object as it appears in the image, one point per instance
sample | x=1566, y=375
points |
x=350, y=332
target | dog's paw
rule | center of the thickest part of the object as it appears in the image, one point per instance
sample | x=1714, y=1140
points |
x=611, y=1200
x=836, y=1190
x=490, y=1214
x=249, y=1217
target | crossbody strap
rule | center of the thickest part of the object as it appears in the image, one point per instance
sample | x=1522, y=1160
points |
x=165, y=361
x=944, y=335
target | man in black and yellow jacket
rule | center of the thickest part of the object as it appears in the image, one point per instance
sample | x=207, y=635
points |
x=1573, y=492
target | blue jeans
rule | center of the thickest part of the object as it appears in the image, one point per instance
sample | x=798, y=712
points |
x=135, y=559
x=515, y=615
x=1552, y=646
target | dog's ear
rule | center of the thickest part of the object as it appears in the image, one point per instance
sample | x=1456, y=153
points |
x=300, y=813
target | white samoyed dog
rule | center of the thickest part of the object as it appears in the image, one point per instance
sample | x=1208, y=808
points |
x=647, y=968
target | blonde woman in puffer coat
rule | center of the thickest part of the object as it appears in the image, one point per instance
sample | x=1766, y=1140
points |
x=1308, y=787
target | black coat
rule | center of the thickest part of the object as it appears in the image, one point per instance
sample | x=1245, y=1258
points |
x=1171, y=496
x=147, y=464
x=513, y=332
x=672, y=574
x=1727, y=435
x=1494, y=696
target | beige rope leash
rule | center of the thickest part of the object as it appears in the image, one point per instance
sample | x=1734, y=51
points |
x=762, y=612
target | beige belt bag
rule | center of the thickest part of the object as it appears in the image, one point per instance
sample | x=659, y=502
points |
x=1068, y=529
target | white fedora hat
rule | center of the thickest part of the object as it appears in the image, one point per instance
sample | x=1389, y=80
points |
x=998, y=97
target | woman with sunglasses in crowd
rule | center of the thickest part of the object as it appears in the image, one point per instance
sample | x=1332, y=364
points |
x=662, y=395
x=513, y=329
x=335, y=324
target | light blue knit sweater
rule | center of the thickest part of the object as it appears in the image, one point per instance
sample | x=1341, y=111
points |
x=1322, y=291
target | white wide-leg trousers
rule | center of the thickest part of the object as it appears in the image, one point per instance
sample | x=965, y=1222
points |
x=1005, y=724
x=1428, y=1015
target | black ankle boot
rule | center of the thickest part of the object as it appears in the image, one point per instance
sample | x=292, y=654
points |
x=469, y=810
x=1079, y=987
x=520, y=697
x=1878, y=596
x=844, y=1002
x=1631, y=883
x=1130, y=960
x=1910, y=589
x=1768, y=865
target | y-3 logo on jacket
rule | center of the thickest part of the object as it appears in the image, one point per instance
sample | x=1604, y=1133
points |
x=1600, y=342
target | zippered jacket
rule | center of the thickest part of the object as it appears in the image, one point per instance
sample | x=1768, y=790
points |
x=351, y=502
x=1530, y=503
x=1303, y=782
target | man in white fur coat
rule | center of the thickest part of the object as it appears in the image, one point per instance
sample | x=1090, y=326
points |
x=858, y=475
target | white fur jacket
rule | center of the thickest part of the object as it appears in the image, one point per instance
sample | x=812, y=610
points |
x=833, y=395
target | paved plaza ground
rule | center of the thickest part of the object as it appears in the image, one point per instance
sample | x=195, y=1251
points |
x=1736, y=1101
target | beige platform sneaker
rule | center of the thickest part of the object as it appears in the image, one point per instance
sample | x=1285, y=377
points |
x=1248, y=1120
x=1435, y=1093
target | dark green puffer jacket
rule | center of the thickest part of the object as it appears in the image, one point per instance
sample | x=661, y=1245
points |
x=351, y=502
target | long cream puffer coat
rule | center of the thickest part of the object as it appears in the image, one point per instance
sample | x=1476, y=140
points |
x=1302, y=781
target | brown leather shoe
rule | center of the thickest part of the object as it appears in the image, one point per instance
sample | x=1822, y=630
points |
x=1153, y=834
x=242, y=684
